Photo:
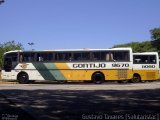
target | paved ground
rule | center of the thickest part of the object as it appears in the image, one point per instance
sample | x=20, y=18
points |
x=80, y=101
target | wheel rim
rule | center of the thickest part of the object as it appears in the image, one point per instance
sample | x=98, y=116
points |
x=136, y=79
x=23, y=78
x=98, y=78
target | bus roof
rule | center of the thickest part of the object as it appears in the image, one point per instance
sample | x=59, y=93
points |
x=13, y=51
x=85, y=49
x=146, y=53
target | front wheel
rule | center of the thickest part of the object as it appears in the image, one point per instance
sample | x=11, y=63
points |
x=23, y=78
x=98, y=78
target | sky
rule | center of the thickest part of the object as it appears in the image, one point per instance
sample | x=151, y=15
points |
x=76, y=24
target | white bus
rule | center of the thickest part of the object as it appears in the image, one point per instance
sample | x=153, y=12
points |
x=96, y=65
x=145, y=66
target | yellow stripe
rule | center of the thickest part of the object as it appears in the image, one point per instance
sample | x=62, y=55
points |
x=86, y=74
x=64, y=69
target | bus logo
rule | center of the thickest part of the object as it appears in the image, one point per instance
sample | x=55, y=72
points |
x=24, y=66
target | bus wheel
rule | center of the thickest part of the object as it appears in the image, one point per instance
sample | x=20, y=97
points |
x=23, y=78
x=136, y=78
x=98, y=78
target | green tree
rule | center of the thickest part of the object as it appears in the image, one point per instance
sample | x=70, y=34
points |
x=155, y=36
x=145, y=46
x=8, y=46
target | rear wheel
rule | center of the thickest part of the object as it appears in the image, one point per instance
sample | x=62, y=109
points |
x=23, y=78
x=136, y=78
x=98, y=78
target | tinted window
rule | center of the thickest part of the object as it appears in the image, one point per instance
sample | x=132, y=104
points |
x=121, y=56
x=27, y=57
x=96, y=56
x=10, y=61
x=63, y=56
x=152, y=59
x=81, y=56
x=44, y=56
x=110, y=55
x=107, y=56
x=144, y=59
x=13, y=56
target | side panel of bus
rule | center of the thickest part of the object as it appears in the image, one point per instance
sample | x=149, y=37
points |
x=146, y=65
x=84, y=71
x=66, y=71
x=114, y=64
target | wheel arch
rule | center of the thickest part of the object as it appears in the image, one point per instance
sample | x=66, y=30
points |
x=97, y=73
x=98, y=77
x=137, y=74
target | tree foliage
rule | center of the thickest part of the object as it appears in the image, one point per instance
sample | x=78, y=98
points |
x=8, y=46
x=139, y=46
x=146, y=46
x=155, y=36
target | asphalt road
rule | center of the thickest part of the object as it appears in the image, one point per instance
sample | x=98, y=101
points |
x=80, y=101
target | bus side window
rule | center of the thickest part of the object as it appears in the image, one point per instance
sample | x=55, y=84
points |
x=137, y=60
x=86, y=56
x=144, y=59
x=109, y=57
x=50, y=57
x=77, y=56
x=68, y=57
x=26, y=57
x=39, y=57
x=152, y=59
x=21, y=58
x=96, y=55
x=121, y=55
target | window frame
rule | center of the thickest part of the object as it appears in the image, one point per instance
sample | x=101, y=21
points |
x=148, y=59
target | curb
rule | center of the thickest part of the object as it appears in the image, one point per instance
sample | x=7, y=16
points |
x=7, y=82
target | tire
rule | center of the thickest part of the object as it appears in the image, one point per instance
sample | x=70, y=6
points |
x=98, y=78
x=23, y=78
x=136, y=78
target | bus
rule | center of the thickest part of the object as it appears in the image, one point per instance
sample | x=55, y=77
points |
x=145, y=66
x=159, y=66
x=94, y=65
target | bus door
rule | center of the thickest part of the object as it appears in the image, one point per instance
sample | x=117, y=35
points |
x=10, y=62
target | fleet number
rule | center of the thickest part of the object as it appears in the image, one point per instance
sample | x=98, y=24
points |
x=148, y=66
x=120, y=65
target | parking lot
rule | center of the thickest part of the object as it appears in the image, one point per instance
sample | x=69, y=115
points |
x=80, y=101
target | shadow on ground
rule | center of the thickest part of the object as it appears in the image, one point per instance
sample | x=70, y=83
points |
x=78, y=104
